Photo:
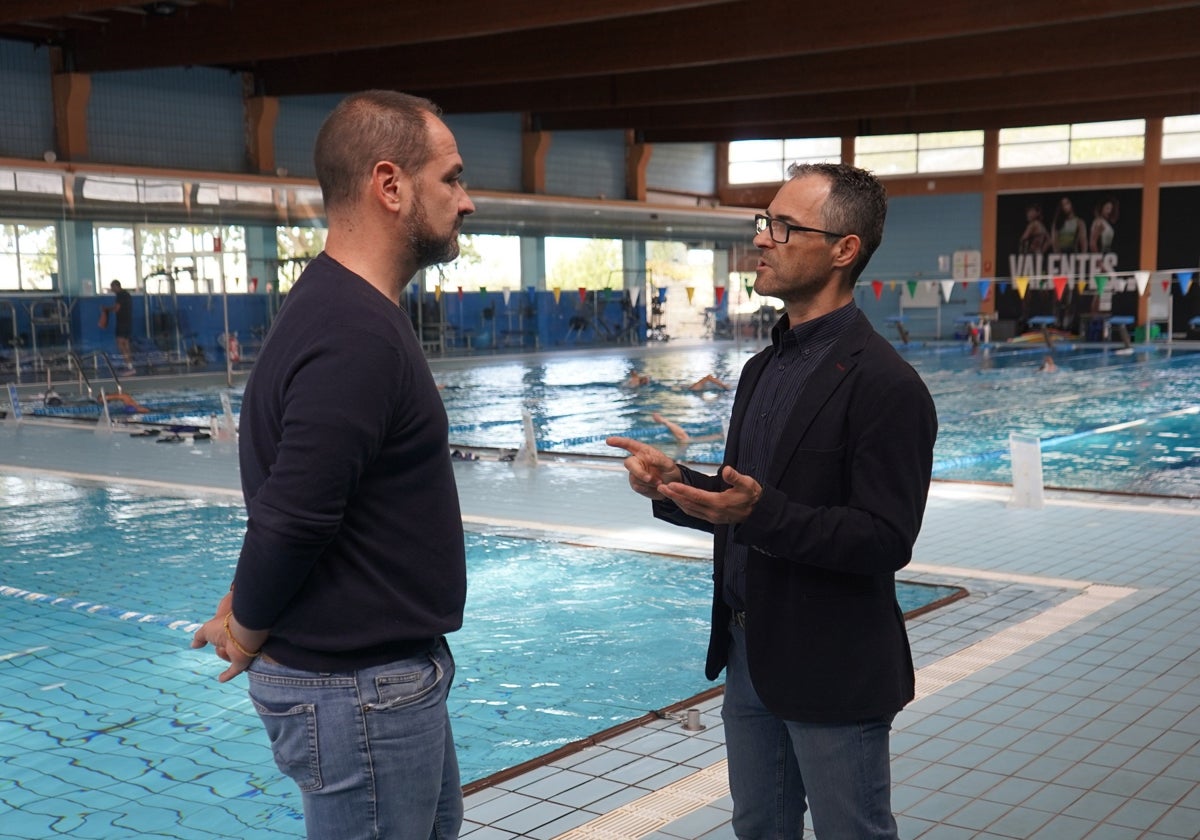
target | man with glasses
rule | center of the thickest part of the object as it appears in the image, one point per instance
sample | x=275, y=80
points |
x=817, y=505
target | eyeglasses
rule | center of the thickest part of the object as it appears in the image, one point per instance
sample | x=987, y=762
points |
x=781, y=230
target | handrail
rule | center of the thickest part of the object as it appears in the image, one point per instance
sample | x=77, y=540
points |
x=73, y=359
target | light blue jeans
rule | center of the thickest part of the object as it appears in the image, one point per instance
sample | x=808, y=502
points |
x=370, y=750
x=842, y=770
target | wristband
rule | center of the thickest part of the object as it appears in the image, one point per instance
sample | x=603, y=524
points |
x=233, y=639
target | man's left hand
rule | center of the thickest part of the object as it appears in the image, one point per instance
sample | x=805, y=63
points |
x=727, y=507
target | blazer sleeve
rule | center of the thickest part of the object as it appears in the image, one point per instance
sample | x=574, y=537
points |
x=668, y=511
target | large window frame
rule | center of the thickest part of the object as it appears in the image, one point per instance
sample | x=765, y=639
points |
x=28, y=256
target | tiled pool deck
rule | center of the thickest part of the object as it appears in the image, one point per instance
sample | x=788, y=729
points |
x=1060, y=700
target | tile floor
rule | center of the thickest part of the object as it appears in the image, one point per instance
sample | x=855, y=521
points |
x=1060, y=700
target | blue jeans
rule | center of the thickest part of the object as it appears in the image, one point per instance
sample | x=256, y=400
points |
x=775, y=765
x=371, y=750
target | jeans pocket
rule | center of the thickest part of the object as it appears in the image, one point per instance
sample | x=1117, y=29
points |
x=401, y=689
x=293, y=733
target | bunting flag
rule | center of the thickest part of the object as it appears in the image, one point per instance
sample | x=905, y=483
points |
x=878, y=287
x=1101, y=282
x=437, y=293
x=1166, y=284
x=985, y=288
x=1004, y=284
x=719, y=291
x=506, y=293
x=582, y=294
x=662, y=294
x=1142, y=278
x=1022, y=284
x=691, y=292
x=912, y=288
x=557, y=294
x=1081, y=286
x=1185, y=281
x=749, y=289
x=483, y=293
x=460, y=293
x=947, y=289
x=1060, y=286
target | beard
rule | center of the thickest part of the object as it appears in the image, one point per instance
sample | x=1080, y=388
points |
x=427, y=247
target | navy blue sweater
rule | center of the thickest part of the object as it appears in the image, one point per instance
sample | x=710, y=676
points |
x=353, y=554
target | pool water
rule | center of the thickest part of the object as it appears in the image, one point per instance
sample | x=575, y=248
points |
x=1107, y=420
x=112, y=726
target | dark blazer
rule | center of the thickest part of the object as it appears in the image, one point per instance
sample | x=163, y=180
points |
x=840, y=511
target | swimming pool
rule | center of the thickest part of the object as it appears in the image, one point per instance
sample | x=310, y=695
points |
x=112, y=726
x=1107, y=420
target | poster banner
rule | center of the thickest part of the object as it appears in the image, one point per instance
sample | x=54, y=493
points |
x=1075, y=234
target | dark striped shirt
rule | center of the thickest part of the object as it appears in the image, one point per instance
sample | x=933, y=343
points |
x=796, y=353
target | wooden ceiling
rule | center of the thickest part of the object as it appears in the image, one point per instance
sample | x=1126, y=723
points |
x=670, y=70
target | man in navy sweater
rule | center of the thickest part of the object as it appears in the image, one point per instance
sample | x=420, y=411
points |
x=353, y=565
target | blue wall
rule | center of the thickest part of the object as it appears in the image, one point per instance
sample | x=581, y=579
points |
x=27, y=130
x=173, y=118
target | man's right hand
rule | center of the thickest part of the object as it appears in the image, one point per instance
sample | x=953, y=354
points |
x=648, y=467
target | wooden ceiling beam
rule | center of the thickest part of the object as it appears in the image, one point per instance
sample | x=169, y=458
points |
x=264, y=30
x=1027, y=115
x=1100, y=45
x=1179, y=76
x=704, y=37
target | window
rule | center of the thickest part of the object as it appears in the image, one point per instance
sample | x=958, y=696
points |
x=909, y=154
x=28, y=257
x=1080, y=144
x=1181, y=137
x=485, y=261
x=296, y=246
x=575, y=263
x=172, y=259
x=766, y=161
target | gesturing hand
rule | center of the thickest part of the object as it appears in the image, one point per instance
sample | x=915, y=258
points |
x=648, y=468
x=726, y=507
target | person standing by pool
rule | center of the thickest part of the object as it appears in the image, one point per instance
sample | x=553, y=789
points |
x=353, y=564
x=817, y=505
x=122, y=312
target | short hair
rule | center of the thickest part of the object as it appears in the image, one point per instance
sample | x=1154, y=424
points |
x=857, y=204
x=364, y=129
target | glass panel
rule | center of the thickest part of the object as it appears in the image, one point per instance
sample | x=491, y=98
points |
x=757, y=172
x=1184, y=124
x=1115, y=128
x=813, y=149
x=950, y=140
x=10, y=272
x=885, y=143
x=573, y=263
x=1028, y=155
x=950, y=160
x=1106, y=149
x=755, y=150
x=1034, y=133
x=888, y=163
x=1182, y=145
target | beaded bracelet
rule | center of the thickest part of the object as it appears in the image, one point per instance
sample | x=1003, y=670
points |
x=233, y=639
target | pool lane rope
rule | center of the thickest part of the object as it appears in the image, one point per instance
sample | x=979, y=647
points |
x=98, y=609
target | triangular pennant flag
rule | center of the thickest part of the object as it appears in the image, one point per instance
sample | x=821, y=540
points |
x=1022, y=284
x=557, y=294
x=460, y=293
x=1101, y=282
x=662, y=294
x=1060, y=286
x=749, y=288
x=1142, y=278
x=1166, y=284
x=691, y=291
x=912, y=288
x=437, y=293
x=1081, y=286
x=1185, y=281
x=947, y=289
x=1004, y=284
x=878, y=287
x=719, y=291
x=507, y=294
x=483, y=291
x=985, y=288
x=582, y=294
